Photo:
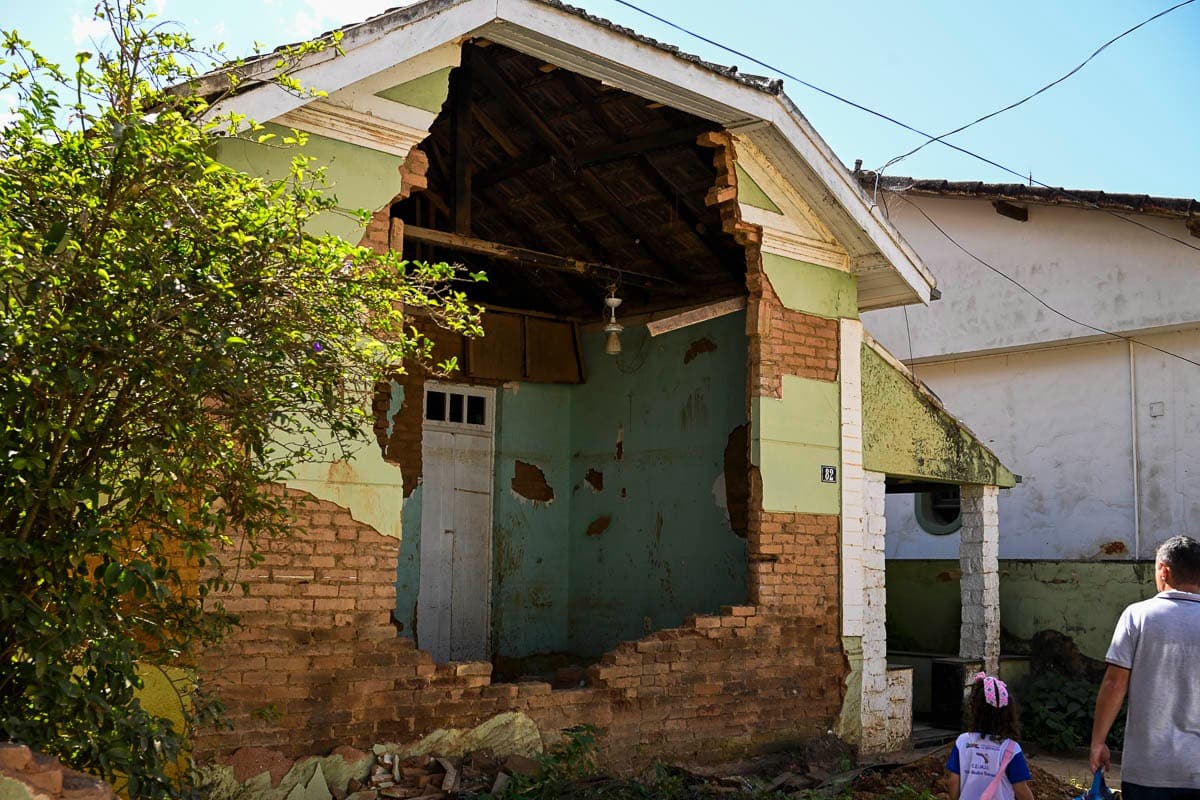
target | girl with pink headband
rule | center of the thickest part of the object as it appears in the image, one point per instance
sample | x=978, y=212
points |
x=986, y=762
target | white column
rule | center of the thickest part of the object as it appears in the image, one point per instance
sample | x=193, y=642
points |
x=877, y=704
x=978, y=555
x=853, y=513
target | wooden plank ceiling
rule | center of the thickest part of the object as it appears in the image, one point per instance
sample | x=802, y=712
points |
x=606, y=187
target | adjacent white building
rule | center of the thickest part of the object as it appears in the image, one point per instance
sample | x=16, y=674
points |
x=1104, y=431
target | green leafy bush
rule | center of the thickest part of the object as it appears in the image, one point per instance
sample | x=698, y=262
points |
x=173, y=342
x=1056, y=712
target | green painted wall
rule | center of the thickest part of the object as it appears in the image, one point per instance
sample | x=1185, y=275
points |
x=812, y=289
x=530, y=538
x=791, y=439
x=427, y=92
x=666, y=549
x=905, y=434
x=1080, y=599
x=750, y=193
x=358, y=177
x=408, y=565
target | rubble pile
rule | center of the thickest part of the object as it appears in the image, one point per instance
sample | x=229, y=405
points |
x=26, y=775
x=428, y=777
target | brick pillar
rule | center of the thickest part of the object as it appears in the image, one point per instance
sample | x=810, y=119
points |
x=978, y=556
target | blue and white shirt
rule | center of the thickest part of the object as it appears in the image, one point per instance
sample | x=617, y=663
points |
x=976, y=760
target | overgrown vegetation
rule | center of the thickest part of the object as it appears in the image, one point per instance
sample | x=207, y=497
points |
x=172, y=342
x=1056, y=712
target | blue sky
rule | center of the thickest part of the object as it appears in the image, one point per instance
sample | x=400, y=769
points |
x=1128, y=122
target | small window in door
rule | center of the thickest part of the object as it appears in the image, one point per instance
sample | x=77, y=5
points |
x=460, y=408
x=435, y=406
x=476, y=410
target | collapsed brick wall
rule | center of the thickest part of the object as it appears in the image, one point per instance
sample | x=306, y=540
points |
x=315, y=664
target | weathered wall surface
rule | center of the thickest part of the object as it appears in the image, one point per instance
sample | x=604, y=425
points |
x=905, y=433
x=531, y=527
x=1092, y=266
x=610, y=513
x=1062, y=419
x=650, y=534
x=1079, y=599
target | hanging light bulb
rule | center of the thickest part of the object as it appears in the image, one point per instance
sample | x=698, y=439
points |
x=612, y=330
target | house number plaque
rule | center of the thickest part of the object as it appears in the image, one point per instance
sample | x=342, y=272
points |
x=828, y=474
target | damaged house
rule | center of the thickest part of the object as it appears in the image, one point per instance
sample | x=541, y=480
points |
x=663, y=517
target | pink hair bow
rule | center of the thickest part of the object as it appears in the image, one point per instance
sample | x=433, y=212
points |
x=995, y=691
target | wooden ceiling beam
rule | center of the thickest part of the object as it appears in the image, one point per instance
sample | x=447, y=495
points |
x=520, y=255
x=600, y=192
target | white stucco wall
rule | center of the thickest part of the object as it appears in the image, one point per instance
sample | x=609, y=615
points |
x=1061, y=419
x=1051, y=398
x=1086, y=263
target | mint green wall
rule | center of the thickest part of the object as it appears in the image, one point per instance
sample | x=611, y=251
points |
x=358, y=177
x=811, y=288
x=530, y=538
x=668, y=549
x=791, y=439
x=408, y=566
x=1080, y=599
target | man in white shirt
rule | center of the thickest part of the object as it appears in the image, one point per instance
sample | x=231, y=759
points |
x=1155, y=658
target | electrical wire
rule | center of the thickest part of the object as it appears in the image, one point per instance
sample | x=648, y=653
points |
x=1048, y=86
x=1029, y=292
x=894, y=121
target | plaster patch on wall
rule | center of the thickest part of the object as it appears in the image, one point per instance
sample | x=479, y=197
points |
x=529, y=482
x=364, y=484
x=698, y=347
x=718, y=492
x=395, y=402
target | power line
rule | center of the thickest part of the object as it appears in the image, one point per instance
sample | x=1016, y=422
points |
x=1029, y=292
x=1048, y=86
x=897, y=122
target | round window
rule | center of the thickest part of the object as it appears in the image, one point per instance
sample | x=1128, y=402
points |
x=938, y=512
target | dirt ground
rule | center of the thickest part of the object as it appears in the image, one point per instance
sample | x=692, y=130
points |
x=928, y=775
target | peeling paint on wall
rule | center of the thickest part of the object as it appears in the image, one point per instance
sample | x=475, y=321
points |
x=599, y=525
x=737, y=478
x=701, y=345
x=529, y=482
x=595, y=479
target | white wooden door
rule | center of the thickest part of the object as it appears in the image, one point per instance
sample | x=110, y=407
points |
x=454, y=598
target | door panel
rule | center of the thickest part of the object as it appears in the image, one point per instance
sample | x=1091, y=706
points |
x=453, y=603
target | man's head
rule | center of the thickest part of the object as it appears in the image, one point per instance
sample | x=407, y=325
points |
x=1177, y=564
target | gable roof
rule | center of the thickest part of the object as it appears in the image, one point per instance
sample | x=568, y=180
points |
x=751, y=107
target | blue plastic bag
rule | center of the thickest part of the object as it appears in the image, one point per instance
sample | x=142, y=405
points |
x=1099, y=790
